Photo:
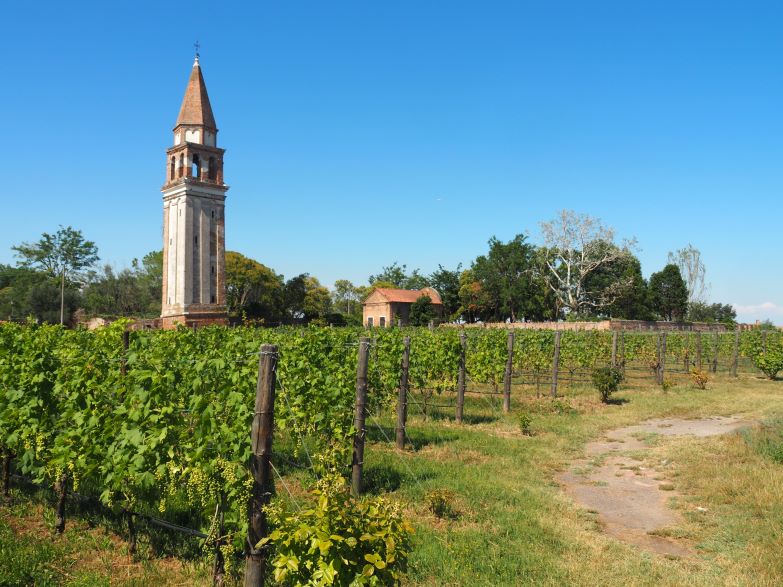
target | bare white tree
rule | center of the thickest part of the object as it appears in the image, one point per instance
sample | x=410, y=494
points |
x=578, y=245
x=693, y=272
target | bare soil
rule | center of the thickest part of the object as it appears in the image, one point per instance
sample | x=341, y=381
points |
x=630, y=498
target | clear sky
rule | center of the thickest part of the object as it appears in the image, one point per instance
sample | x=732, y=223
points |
x=360, y=133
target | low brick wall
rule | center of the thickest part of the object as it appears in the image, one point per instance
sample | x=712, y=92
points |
x=623, y=325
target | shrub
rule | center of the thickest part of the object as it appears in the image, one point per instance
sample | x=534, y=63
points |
x=441, y=503
x=771, y=362
x=339, y=540
x=667, y=384
x=700, y=378
x=606, y=380
x=525, y=420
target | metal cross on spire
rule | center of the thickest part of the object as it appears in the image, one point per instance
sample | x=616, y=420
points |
x=197, y=45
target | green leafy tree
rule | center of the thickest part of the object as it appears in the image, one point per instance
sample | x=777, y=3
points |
x=446, y=283
x=398, y=276
x=253, y=288
x=422, y=312
x=621, y=281
x=505, y=275
x=475, y=303
x=669, y=293
x=703, y=312
x=63, y=254
x=346, y=297
x=317, y=302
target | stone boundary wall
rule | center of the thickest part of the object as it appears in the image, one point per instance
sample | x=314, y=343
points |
x=623, y=325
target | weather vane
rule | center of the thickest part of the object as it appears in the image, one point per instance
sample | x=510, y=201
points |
x=197, y=45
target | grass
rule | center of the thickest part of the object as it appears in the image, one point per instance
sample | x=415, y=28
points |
x=517, y=528
x=499, y=517
x=84, y=555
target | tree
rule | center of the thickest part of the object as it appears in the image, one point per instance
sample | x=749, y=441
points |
x=422, y=312
x=128, y=292
x=26, y=292
x=688, y=261
x=577, y=246
x=399, y=278
x=345, y=297
x=446, y=283
x=253, y=288
x=475, y=304
x=63, y=254
x=505, y=276
x=702, y=312
x=631, y=299
x=669, y=293
x=317, y=302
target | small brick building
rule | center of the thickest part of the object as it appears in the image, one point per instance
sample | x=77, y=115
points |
x=390, y=307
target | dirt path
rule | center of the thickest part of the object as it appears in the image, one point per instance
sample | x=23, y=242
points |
x=631, y=499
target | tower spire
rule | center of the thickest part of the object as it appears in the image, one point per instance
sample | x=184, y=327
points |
x=196, y=109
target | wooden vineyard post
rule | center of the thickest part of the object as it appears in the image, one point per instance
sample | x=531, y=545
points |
x=715, y=354
x=662, y=360
x=219, y=569
x=61, y=488
x=507, y=374
x=6, y=473
x=461, y=379
x=402, y=400
x=735, y=355
x=357, y=462
x=614, y=349
x=556, y=363
x=125, y=346
x=698, y=351
x=131, y=532
x=764, y=344
x=686, y=355
x=260, y=465
x=622, y=352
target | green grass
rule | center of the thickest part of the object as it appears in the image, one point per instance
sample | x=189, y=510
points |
x=32, y=554
x=516, y=527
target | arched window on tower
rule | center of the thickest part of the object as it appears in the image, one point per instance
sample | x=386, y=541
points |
x=181, y=164
x=212, y=169
x=196, y=169
x=173, y=167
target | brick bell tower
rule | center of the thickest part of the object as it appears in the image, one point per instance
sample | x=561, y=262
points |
x=194, y=289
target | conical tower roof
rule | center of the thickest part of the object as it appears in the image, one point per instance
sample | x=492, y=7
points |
x=195, y=105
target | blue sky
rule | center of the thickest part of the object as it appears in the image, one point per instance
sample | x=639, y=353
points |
x=360, y=133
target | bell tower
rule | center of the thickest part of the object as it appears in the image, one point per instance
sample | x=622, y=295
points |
x=194, y=289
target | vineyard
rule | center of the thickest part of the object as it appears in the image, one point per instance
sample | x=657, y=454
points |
x=156, y=425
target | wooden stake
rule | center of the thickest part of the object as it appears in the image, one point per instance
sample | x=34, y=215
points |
x=402, y=399
x=219, y=570
x=715, y=354
x=260, y=465
x=131, y=532
x=614, y=349
x=125, y=346
x=357, y=463
x=6, y=473
x=662, y=360
x=461, y=379
x=698, y=351
x=556, y=363
x=507, y=374
x=61, y=487
x=735, y=355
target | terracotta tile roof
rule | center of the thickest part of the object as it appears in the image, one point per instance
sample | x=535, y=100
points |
x=195, y=105
x=408, y=295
